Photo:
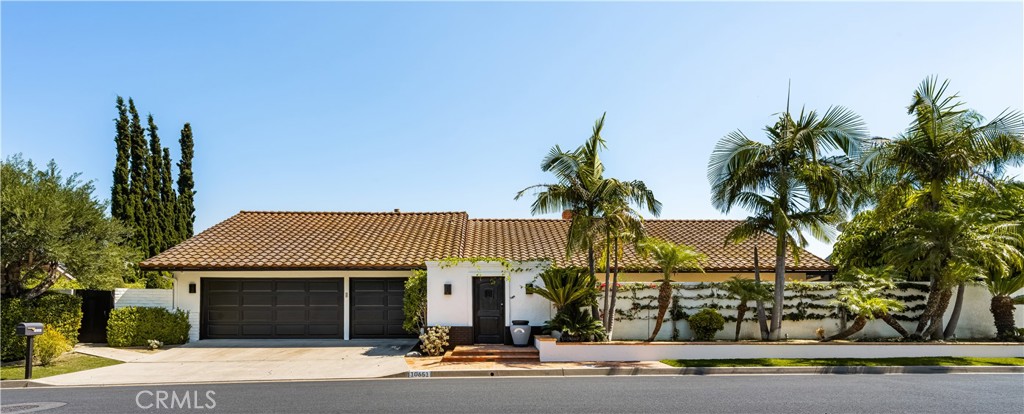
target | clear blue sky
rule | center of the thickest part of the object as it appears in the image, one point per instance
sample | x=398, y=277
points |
x=450, y=106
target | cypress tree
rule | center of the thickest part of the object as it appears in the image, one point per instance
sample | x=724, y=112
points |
x=120, y=193
x=186, y=193
x=168, y=199
x=154, y=207
x=136, y=214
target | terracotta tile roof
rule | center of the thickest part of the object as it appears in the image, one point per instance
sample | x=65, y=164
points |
x=523, y=239
x=318, y=240
x=323, y=240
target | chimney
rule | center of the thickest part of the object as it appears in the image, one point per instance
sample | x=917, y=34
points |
x=566, y=214
x=398, y=211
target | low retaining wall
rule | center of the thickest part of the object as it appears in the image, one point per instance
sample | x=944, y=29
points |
x=552, y=351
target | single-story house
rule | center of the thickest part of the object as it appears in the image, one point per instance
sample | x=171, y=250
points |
x=342, y=274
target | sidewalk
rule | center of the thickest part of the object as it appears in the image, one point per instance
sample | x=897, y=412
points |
x=423, y=367
x=104, y=351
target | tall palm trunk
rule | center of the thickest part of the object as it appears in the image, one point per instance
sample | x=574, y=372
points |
x=888, y=319
x=593, y=275
x=607, y=279
x=741, y=310
x=664, y=298
x=780, y=288
x=934, y=330
x=1002, y=310
x=930, y=306
x=858, y=324
x=762, y=320
x=615, y=292
x=950, y=331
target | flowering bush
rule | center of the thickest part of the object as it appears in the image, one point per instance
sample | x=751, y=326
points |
x=434, y=340
x=154, y=344
x=50, y=345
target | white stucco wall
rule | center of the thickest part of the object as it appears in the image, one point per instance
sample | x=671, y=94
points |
x=149, y=298
x=190, y=301
x=456, y=309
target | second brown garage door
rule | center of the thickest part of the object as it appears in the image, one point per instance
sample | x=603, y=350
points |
x=377, y=308
x=271, y=308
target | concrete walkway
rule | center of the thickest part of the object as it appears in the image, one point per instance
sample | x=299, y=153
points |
x=251, y=360
x=104, y=351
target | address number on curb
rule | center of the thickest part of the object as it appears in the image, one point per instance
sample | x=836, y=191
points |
x=419, y=374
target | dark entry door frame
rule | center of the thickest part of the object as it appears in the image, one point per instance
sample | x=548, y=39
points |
x=489, y=310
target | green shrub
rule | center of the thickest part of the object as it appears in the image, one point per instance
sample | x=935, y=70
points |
x=60, y=311
x=134, y=326
x=50, y=345
x=577, y=325
x=12, y=312
x=706, y=323
x=63, y=312
x=415, y=302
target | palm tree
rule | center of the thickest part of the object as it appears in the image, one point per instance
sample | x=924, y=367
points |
x=802, y=180
x=670, y=257
x=582, y=189
x=944, y=145
x=1002, y=285
x=958, y=244
x=864, y=299
x=566, y=287
x=745, y=290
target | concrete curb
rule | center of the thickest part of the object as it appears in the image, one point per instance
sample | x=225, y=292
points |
x=637, y=371
x=20, y=384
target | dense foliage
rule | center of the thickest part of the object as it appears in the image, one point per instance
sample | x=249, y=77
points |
x=135, y=326
x=414, y=302
x=51, y=226
x=56, y=310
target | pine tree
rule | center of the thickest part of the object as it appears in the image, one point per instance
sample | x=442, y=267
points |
x=136, y=214
x=120, y=193
x=186, y=193
x=154, y=206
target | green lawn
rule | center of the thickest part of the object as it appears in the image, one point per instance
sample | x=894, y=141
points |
x=68, y=363
x=845, y=362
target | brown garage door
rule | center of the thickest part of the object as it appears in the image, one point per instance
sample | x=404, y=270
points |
x=377, y=308
x=271, y=308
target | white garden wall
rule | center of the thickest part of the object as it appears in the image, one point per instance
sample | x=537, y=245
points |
x=148, y=298
x=637, y=309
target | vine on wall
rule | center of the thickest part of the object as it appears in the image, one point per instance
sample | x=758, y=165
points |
x=804, y=301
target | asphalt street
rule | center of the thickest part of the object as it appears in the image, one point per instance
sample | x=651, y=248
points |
x=932, y=393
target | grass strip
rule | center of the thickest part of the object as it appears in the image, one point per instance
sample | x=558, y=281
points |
x=66, y=364
x=846, y=362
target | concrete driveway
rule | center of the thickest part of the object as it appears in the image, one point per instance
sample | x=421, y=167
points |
x=226, y=360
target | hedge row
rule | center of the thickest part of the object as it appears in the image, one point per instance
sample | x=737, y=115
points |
x=134, y=326
x=61, y=311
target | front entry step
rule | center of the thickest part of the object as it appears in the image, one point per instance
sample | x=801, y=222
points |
x=491, y=353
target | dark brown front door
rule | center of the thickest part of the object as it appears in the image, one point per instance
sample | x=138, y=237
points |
x=489, y=310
